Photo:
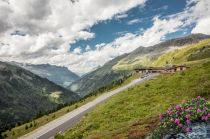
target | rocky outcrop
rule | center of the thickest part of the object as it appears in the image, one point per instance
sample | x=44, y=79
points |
x=199, y=130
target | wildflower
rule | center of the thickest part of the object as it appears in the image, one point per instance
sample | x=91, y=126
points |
x=188, y=109
x=208, y=115
x=180, y=125
x=187, y=116
x=161, y=116
x=198, y=97
x=177, y=121
x=188, y=121
x=204, y=118
x=187, y=129
x=178, y=107
x=199, y=110
x=169, y=111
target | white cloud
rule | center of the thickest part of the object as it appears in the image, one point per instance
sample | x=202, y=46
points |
x=51, y=25
x=121, y=16
x=202, y=26
x=77, y=50
x=134, y=21
x=49, y=32
x=88, y=48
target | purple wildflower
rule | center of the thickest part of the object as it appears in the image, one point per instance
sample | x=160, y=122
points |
x=199, y=110
x=188, y=121
x=187, y=129
x=177, y=121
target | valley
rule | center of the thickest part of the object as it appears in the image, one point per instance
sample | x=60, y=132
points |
x=25, y=96
x=194, y=55
x=104, y=69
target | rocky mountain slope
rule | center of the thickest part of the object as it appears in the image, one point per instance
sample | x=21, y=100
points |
x=59, y=75
x=124, y=65
x=145, y=56
x=24, y=95
x=98, y=78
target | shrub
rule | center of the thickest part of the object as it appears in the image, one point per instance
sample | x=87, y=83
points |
x=59, y=136
x=76, y=106
x=147, y=85
x=26, y=127
x=31, y=125
x=179, y=118
x=53, y=116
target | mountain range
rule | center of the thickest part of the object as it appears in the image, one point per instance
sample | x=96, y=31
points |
x=25, y=94
x=124, y=64
x=57, y=74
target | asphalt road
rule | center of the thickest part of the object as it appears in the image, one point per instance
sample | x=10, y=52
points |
x=70, y=119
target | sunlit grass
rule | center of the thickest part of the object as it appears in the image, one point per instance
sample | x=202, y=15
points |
x=134, y=113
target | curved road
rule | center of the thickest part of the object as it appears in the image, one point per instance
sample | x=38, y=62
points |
x=70, y=119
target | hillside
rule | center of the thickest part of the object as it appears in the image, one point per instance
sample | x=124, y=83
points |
x=24, y=95
x=185, y=55
x=145, y=56
x=134, y=113
x=59, y=75
x=123, y=65
x=101, y=77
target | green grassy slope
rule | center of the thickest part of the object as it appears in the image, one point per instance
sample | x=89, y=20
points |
x=185, y=55
x=147, y=56
x=134, y=113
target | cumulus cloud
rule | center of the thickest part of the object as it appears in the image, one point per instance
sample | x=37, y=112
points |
x=202, y=26
x=49, y=26
x=58, y=23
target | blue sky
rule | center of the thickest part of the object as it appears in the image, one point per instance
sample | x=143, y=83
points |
x=107, y=31
x=87, y=33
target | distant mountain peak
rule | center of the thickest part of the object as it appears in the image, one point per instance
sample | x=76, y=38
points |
x=58, y=74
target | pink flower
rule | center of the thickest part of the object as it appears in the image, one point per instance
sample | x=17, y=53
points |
x=208, y=115
x=187, y=129
x=177, y=121
x=178, y=107
x=188, y=121
x=180, y=125
x=161, y=116
x=198, y=97
x=204, y=118
x=187, y=116
x=199, y=110
x=169, y=112
x=188, y=109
